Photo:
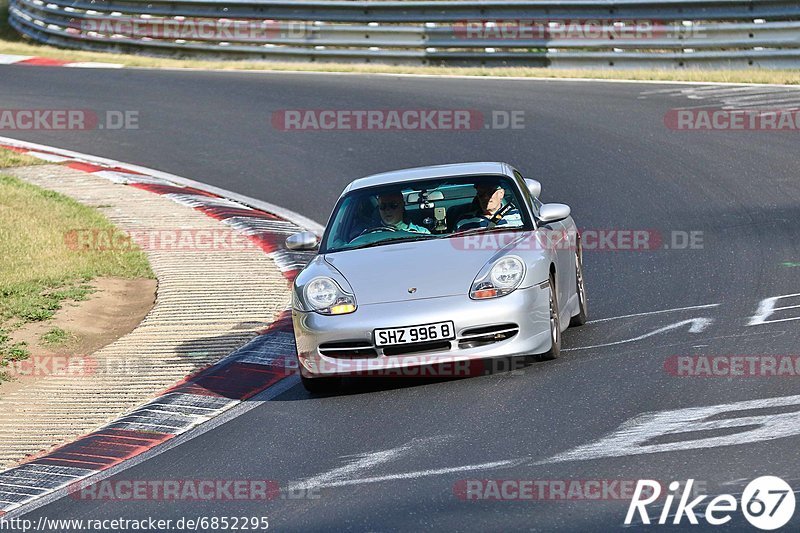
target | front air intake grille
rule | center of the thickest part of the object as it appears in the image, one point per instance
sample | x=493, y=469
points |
x=348, y=350
x=407, y=349
x=485, y=335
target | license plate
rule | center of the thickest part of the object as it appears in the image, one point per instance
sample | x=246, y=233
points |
x=439, y=331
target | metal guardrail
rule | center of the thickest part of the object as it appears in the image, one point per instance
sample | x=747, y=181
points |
x=567, y=33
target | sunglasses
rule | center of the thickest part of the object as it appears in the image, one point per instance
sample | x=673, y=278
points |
x=388, y=205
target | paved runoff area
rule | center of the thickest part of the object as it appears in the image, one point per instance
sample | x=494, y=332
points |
x=216, y=291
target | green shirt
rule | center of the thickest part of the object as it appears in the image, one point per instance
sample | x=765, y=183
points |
x=411, y=227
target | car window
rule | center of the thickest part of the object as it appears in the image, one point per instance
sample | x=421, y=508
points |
x=422, y=210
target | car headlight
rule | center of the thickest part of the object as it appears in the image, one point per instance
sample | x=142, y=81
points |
x=324, y=296
x=505, y=275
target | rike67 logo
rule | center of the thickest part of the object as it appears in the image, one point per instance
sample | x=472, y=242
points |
x=767, y=503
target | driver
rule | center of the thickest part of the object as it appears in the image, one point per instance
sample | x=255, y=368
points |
x=391, y=207
x=489, y=202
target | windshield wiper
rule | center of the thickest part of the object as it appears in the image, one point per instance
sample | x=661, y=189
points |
x=487, y=230
x=423, y=237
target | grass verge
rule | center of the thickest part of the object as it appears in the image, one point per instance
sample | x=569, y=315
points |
x=56, y=337
x=39, y=270
x=12, y=43
x=10, y=159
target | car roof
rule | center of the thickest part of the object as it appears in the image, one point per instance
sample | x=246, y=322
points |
x=432, y=172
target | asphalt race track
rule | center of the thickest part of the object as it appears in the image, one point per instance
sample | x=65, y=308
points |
x=393, y=455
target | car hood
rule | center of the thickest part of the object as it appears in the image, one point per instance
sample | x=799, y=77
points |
x=434, y=268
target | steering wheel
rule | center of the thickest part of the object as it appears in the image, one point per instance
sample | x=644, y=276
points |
x=489, y=218
x=377, y=229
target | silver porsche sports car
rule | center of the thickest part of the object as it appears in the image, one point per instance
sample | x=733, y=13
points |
x=443, y=264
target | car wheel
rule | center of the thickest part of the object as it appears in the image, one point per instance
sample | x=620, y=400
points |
x=581, y=317
x=555, y=325
x=320, y=385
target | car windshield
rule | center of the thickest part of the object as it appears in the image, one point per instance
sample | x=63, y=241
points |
x=423, y=210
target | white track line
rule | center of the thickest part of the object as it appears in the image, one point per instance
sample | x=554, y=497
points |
x=767, y=105
x=423, y=473
x=714, y=92
x=707, y=306
x=698, y=325
x=748, y=93
x=362, y=463
x=89, y=64
x=79, y=64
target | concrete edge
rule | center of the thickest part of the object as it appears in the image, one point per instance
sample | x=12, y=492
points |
x=467, y=77
x=296, y=218
x=254, y=371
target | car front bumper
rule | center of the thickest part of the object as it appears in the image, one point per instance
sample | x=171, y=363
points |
x=527, y=309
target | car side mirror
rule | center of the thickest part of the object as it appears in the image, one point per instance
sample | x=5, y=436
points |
x=305, y=240
x=534, y=187
x=553, y=213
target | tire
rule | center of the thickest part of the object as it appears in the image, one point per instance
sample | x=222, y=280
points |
x=580, y=284
x=555, y=325
x=321, y=385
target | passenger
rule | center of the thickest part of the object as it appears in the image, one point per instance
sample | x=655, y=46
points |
x=391, y=207
x=488, y=212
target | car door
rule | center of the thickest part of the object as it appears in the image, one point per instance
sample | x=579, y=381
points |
x=559, y=241
x=568, y=282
